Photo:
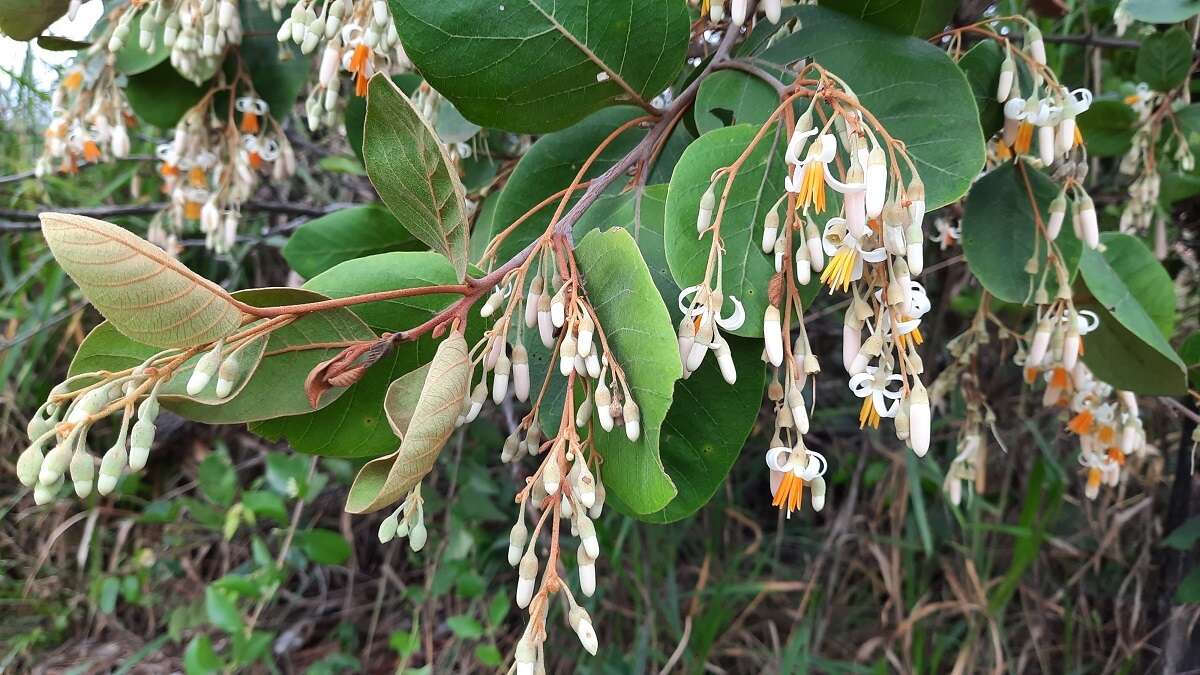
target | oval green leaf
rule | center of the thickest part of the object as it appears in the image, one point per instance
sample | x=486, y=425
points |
x=729, y=97
x=921, y=18
x=146, y=294
x=1164, y=60
x=535, y=65
x=343, y=235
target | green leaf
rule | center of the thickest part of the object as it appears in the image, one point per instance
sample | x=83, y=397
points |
x=729, y=97
x=221, y=610
x=132, y=59
x=1107, y=127
x=1185, y=536
x=642, y=340
x=489, y=655
x=200, y=658
x=1164, y=59
x=217, y=479
x=110, y=588
x=344, y=235
x=54, y=43
x=465, y=627
x=981, y=65
x=324, y=547
x=1189, y=588
x=912, y=87
x=1161, y=11
x=354, y=425
x=276, y=387
x=23, y=20
x=999, y=233
x=709, y=420
x=552, y=163
x=535, y=65
x=160, y=96
x=403, y=395
x=142, y=291
x=278, y=72
x=759, y=182
x=355, y=116
x=921, y=18
x=265, y=504
x=414, y=177
x=1133, y=286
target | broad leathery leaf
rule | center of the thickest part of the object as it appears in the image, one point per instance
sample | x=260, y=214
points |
x=709, y=419
x=161, y=96
x=553, y=161
x=534, y=66
x=355, y=117
x=759, y=182
x=25, y=20
x=1164, y=59
x=911, y=86
x=641, y=337
x=1161, y=11
x=147, y=295
x=354, y=425
x=275, y=388
x=729, y=97
x=385, y=480
x=412, y=174
x=402, y=397
x=343, y=235
x=999, y=234
x=1137, y=291
x=921, y=18
x=1107, y=127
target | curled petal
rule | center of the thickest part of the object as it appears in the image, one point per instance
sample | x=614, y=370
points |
x=733, y=321
x=844, y=188
x=860, y=384
x=882, y=407
x=874, y=255
x=777, y=458
x=1087, y=321
x=828, y=148
x=686, y=293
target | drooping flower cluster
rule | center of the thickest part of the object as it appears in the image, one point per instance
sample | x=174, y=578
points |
x=870, y=248
x=196, y=31
x=212, y=166
x=90, y=122
x=359, y=37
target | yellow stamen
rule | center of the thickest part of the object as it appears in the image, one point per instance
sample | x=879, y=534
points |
x=1024, y=138
x=790, y=493
x=840, y=269
x=867, y=414
x=812, y=187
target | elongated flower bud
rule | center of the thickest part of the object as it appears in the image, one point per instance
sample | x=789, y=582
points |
x=1071, y=343
x=1039, y=344
x=44, y=493
x=492, y=304
x=500, y=379
x=1089, y=228
x=520, y=373
x=205, y=368
x=773, y=336
x=1008, y=74
x=737, y=14
x=418, y=536
x=584, y=412
x=578, y=617
x=795, y=401
x=558, y=309
x=770, y=231
x=1035, y=45
x=816, y=489
x=1046, y=144
x=532, y=298
x=603, y=407
x=517, y=538
x=592, y=365
x=526, y=578
x=587, y=571
x=725, y=360
x=83, y=471
x=773, y=9
x=851, y=341
x=918, y=419
x=228, y=374
x=545, y=321
x=916, y=200
x=56, y=462
x=478, y=395
x=816, y=254
x=1058, y=212
x=686, y=339
x=552, y=475
x=29, y=463
x=708, y=202
x=112, y=465
x=566, y=355
x=633, y=424
x=88, y=404
x=586, y=330
x=141, y=438
x=876, y=182
x=387, y=528
x=915, y=248
x=1129, y=400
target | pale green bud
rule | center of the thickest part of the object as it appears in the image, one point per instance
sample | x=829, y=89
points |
x=140, y=440
x=83, y=471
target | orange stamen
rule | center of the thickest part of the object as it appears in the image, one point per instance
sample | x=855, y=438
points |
x=1105, y=434
x=191, y=210
x=1117, y=456
x=1081, y=424
x=256, y=160
x=73, y=80
x=249, y=123
x=197, y=178
x=1031, y=375
x=91, y=151
x=1024, y=138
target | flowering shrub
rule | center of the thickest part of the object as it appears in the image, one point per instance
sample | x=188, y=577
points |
x=707, y=181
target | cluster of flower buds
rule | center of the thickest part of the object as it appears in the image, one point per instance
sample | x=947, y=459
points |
x=90, y=121
x=59, y=429
x=408, y=520
x=196, y=31
x=1105, y=420
x=739, y=10
x=1143, y=163
x=967, y=467
x=358, y=37
x=1049, y=110
x=212, y=166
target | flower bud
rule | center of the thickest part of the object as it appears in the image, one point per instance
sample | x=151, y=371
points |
x=578, y=617
x=1035, y=45
x=532, y=297
x=918, y=419
x=566, y=355
x=141, y=437
x=418, y=536
x=520, y=373
x=816, y=489
x=526, y=578
x=1058, y=212
x=56, y=462
x=876, y=182
x=478, y=395
x=770, y=231
x=558, y=308
x=1046, y=144
x=83, y=471
x=592, y=365
x=773, y=335
x=587, y=329
x=603, y=407
x=708, y=202
x=725, y=360
x=525, y=656
x=88, y=404
x=112, y=465
x=500, y=379
x=29, y=463
x=633, y=426
x=1040, y=343
x=816, y=254
x=1089, y=228
x=228, y=374
x=387, y=528
x=205, y=368
x=44, y=493
x=584, y=412
x=587, y=571
x=517, y=539
x=795, y=401
x=1008, y=75
x=551, y=475
x=851, y=341
x=545, y=321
